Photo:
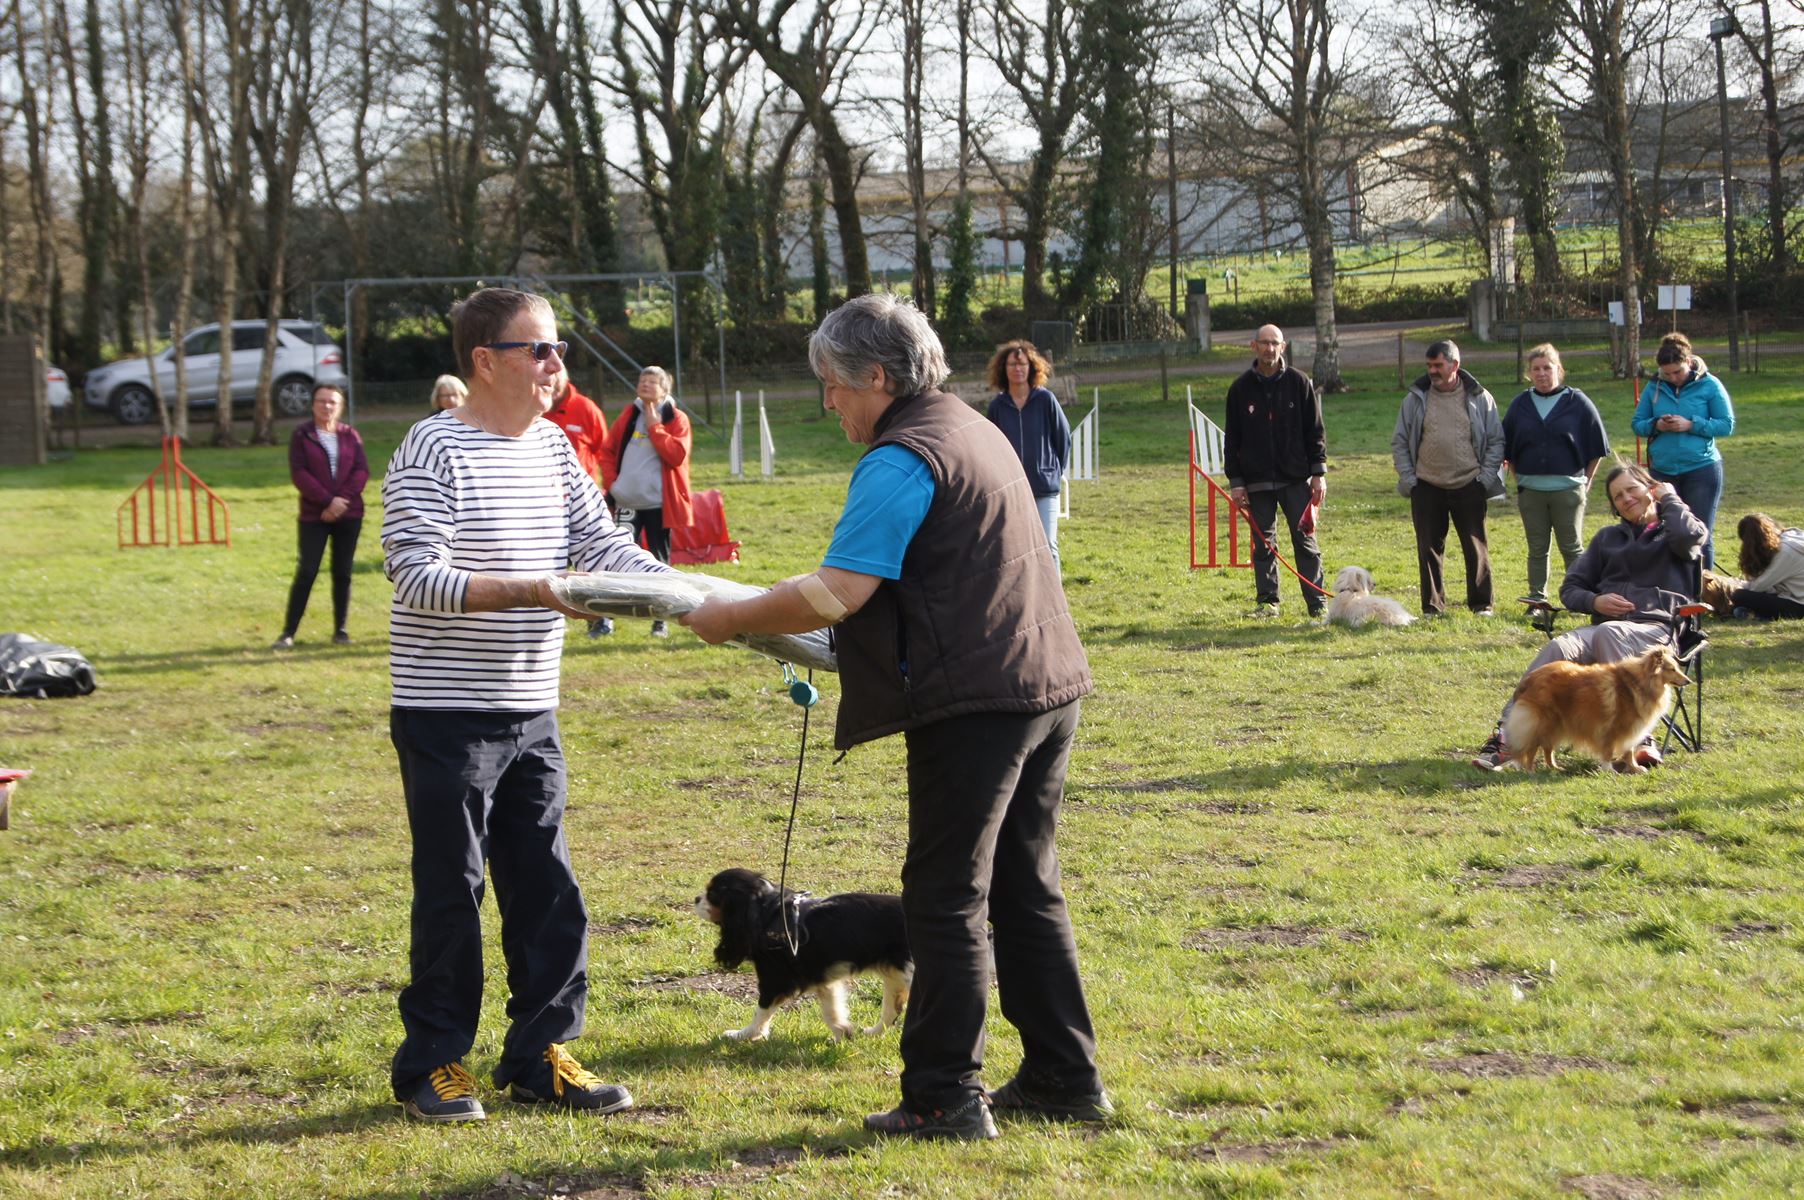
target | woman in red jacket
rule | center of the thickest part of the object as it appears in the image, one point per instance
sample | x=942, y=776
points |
x=326, y=461
x=647, y=473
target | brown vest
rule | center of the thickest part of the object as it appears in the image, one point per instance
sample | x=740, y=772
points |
x=977, y=622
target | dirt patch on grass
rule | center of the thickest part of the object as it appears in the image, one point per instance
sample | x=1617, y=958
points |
x=622, y=925
x=151, y=874
x=1501, y=1064
x=1610, y=1187
x=1527, y=875
x=1266, y=935
x=509, y=1186
x=1645, y=833
x=648, y=1114
x=1179, y=783
x=720, y=983
x=1422, y=1105
x=752, y=1164
x=1761, y=1118
x=1260, y=1152
x=1744, y=931
x=1484, y=976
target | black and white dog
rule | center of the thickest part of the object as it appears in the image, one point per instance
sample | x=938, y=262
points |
x=837, y=938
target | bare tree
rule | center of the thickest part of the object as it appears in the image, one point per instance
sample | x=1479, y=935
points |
x=814, y=71
x=286, y=89
x=93, y=169
x=36, y=79
x=1454, y=109
x=224, y=126
x=466, y=113
x=178, y=15
x=675, y=63
x=144, y=109
x=1037, y=55
x=1771, y=44
x=1292, y=95
x=913, y=33
x=1612, y=43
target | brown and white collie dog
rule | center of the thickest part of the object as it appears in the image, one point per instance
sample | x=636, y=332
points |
x=1606, y=708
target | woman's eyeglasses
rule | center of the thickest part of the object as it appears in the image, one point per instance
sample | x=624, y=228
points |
x=540, y=350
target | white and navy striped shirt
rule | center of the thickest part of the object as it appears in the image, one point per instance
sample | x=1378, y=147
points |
x=457, y=502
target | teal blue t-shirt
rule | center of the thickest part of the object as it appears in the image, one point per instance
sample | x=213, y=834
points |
x=886, y=502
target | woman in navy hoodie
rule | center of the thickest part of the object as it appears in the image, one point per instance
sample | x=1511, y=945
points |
x=1030, y=417
x=326, y=461
x=1552, y=440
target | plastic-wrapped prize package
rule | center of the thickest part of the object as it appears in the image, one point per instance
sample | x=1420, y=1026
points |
x=665, y=597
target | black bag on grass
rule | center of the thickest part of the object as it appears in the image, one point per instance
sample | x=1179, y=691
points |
x=39, y=670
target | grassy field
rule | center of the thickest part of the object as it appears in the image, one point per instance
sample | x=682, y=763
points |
x=1326, y=957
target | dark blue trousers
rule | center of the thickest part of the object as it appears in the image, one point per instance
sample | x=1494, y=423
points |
x=1701, y=490
x=487, y=787
x=983, y=803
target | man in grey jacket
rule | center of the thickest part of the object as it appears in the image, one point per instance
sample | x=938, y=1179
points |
x=1448, y=450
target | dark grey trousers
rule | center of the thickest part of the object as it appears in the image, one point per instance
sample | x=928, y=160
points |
x=1307, y=556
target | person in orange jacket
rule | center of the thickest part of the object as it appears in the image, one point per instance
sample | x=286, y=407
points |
x=646, y=474
x=583, y=423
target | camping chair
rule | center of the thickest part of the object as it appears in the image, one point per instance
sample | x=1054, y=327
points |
x=1685, y=720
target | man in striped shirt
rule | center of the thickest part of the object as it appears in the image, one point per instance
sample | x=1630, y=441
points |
x=482, y=504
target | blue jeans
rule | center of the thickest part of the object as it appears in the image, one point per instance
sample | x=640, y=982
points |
x=1049, y=520
x=1700, y=490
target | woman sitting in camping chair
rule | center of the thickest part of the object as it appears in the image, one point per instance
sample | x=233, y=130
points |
x=1634, y=578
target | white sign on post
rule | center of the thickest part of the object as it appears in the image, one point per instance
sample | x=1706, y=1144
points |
x=1616, y=314
x=1674, y=296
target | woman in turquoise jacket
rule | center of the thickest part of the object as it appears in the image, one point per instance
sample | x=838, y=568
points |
x=1681, y=413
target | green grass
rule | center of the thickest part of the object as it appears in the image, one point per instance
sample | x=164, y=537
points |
x=1326, y=957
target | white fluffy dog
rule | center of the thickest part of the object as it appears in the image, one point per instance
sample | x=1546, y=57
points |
x=1354, y=605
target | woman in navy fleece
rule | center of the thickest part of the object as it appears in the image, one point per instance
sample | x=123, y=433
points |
x=1552, y=440
x=1035, y=425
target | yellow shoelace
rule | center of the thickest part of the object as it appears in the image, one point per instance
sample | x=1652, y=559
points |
x=564, y=1067
x=452, y=1082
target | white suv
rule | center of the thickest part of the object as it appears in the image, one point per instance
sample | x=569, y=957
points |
x=305, y=358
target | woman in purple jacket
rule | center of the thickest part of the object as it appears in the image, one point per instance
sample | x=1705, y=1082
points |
x=326, y=461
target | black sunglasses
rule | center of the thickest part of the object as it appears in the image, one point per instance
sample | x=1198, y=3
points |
x=540, y=350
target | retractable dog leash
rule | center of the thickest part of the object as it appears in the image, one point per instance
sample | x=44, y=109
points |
x=805, y=694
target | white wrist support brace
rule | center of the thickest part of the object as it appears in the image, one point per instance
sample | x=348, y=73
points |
x=821, y=599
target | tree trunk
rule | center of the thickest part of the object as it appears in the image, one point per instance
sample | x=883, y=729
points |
x=914, y=70
x=842, y=180
x=1777, y=205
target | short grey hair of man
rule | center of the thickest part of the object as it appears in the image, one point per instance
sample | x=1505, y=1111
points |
x=1445, y=348
x=879, y=330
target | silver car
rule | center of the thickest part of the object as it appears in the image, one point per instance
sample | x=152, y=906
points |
x=305, y=358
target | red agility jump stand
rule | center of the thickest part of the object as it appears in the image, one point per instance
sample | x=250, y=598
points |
x=175, y=493
x=1205, y=453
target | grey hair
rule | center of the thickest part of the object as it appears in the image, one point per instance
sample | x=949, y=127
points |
x=1445, y=348
x=661, y=375
x=879, y=330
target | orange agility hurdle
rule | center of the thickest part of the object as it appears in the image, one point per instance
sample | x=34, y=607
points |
x=174, y=493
